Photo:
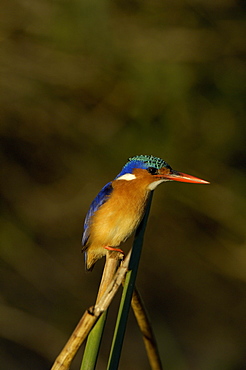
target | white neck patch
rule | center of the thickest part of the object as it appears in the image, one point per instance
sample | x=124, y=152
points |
x=127, y=177
x=154, y=184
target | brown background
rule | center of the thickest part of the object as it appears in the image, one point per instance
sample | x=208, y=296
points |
x=85, y=85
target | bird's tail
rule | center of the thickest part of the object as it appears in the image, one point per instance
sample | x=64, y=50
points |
x=92, y=254
x=88, y=266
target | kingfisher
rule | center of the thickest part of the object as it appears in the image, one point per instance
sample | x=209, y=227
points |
x=119, y=207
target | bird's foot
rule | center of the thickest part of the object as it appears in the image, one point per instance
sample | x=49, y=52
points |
x=114, y=249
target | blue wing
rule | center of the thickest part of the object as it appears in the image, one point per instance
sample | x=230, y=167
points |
x=100, y=199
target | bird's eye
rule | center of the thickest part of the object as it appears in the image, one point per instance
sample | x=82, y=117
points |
x=152, y=170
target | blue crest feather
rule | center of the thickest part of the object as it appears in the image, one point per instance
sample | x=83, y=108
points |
x=142, y=161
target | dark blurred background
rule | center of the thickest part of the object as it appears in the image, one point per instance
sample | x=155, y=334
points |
x=84, y=86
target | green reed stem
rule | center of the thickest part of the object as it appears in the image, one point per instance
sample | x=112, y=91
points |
x=129, y=284
x=93, y=344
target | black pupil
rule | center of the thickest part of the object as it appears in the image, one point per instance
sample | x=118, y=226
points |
x=152, y=170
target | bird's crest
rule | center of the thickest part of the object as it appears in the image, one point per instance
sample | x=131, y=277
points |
x=150, y=161
x=143, y=161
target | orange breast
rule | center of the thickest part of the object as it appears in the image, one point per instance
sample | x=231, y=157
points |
x=120, y=215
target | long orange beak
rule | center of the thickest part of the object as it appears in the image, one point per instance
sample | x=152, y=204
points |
x=183, y=177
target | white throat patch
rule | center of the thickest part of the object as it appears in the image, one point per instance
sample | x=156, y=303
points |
x=127, y=177
x=154, y=184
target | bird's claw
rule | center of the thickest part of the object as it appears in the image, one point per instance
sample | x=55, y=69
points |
x=120, y=251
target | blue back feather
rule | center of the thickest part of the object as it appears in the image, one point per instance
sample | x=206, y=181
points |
x=100, y=199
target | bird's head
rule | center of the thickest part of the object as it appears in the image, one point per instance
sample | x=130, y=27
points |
x=153, y=171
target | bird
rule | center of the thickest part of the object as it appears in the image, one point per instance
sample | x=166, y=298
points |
x=119, y=207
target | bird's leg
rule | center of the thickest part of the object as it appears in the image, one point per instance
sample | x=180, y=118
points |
x=114, y=249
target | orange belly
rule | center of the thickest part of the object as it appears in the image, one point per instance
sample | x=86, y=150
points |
x=115, y=221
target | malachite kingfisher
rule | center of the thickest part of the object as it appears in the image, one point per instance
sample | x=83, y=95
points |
x=119, y=207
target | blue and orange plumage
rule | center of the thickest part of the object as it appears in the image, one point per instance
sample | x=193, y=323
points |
x=119, y=207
